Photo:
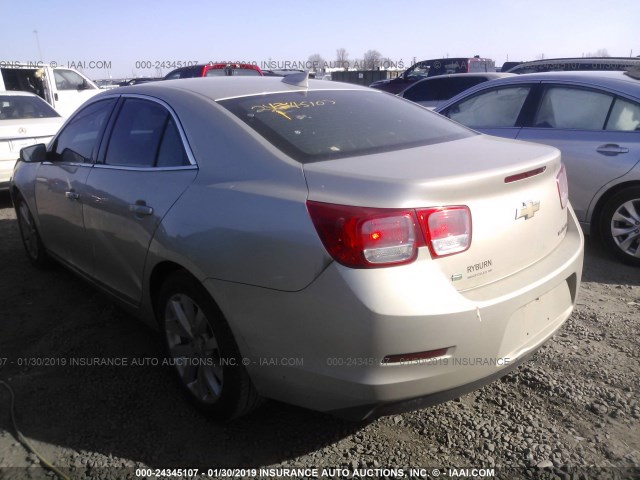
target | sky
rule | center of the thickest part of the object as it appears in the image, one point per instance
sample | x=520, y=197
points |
x=116, y=38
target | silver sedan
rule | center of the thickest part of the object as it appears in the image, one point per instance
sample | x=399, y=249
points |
x=594, y=119
x=314, y=242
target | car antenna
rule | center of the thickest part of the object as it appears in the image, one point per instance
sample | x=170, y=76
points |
x=299, y=79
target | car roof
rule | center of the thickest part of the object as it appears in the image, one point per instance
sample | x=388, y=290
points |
x=624, y=82
x=577, y=64
x=608, y=79
x=217, y=88
x=579, y=60
x=468, y=75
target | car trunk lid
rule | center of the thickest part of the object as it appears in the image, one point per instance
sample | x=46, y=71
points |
x=509, y=187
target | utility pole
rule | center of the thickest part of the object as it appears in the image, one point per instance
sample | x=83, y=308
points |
x=38, y=43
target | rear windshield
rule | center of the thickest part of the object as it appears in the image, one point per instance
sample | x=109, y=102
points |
x=13, y=107
x=330, y=124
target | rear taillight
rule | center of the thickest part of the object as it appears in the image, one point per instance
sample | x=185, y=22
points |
x=388, y=239
x=563, y=186
x=447, y=230
x=361, y=237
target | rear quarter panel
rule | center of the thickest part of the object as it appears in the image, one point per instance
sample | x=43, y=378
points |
x=244, y=219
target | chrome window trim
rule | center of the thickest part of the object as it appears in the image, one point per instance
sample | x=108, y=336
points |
x=72, y=164
x=144, y=169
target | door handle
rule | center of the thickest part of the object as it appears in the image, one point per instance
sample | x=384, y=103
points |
x=71, y=195
x=611, y=149
x=141, y=208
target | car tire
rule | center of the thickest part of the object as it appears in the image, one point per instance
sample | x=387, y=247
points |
x=31, y=240
x=196, y=338
x=620, y=225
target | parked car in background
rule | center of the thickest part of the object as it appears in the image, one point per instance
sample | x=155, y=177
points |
x=506, y=66
x=106, y=84
x=576, y=64
x=323, y=244
x=138, y=81
x=433, y=91
x=215, y=70
x=65, y=89
x=594, y=119
x=25, y=119
x=432, y=68
x=283, y=72
x=444, y=66
x=415, y=72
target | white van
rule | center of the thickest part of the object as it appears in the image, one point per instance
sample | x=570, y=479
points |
x=65, y=89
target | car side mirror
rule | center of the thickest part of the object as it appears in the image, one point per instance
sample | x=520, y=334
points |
x=84, y=85
x=34, y=153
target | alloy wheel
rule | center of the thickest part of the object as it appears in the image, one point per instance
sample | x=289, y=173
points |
x=28, y=231
x=625, y=227
x=194, y=348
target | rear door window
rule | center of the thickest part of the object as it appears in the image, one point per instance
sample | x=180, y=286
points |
x=145, y=135
x=624, y=117
x=572, y=108
x=499, y=107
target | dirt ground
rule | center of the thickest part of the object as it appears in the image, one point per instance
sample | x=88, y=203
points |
x=572, y=412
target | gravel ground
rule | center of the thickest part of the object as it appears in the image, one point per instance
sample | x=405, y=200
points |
x=572, y=412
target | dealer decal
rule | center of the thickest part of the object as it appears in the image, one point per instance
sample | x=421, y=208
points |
x=479, y=266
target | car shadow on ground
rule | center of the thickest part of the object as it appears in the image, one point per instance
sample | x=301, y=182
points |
x=5, y=200
x=54, y=327
x=600, y=266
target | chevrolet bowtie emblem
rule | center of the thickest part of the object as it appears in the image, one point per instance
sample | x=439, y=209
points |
x=527, y=210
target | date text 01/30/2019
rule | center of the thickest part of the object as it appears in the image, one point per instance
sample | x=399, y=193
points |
x=314, y=472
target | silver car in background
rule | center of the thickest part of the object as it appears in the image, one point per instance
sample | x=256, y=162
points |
x=594, y=119
x=318, y=243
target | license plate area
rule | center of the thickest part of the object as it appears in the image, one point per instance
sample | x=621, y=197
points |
x=535, y=321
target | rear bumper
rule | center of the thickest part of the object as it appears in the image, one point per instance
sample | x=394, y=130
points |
x=322, y=347
x=364, y=412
